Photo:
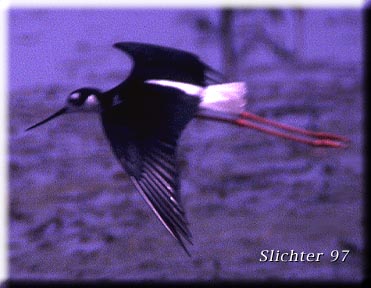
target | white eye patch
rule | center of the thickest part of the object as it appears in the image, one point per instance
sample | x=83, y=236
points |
x=91, y=100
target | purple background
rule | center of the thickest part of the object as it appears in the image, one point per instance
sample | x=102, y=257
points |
x=75, y=215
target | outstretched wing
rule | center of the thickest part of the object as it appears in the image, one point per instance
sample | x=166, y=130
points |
x=157, y=62
x=145, y=144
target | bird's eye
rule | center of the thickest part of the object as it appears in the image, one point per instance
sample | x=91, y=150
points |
x=75, y=96
x=75, y=99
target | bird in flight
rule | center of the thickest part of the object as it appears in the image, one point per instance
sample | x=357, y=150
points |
x=144, y=116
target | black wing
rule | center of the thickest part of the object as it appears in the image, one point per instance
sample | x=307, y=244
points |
x=144, y=137
x=157, y=62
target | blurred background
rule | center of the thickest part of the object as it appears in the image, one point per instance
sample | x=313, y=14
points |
x=74, y=213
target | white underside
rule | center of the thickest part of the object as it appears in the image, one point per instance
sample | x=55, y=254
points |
x=228, y=97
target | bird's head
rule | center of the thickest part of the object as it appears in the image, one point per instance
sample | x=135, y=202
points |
x=80, y=100
x=83, y=100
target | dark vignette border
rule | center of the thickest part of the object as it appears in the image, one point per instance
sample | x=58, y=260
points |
x=366, y=14
x=110, y=284
x=367, y=92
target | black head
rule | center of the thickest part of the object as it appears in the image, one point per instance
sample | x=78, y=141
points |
x=83, y=99
x=80, y=100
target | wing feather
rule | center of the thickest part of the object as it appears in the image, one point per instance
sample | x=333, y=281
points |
x=148, y=154
x=158, y=62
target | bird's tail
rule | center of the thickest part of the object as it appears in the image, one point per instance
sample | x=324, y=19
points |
x=228, y=97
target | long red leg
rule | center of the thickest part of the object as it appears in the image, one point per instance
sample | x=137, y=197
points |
x=322, y=139
x=320, y=135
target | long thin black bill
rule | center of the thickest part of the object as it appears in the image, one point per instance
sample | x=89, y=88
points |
x=56, y=114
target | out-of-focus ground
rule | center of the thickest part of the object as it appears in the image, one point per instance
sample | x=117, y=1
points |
x=75, y=215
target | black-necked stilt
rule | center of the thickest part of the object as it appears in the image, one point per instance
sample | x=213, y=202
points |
x=144, y=116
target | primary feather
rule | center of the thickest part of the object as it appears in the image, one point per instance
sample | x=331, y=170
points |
x=144, y=139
